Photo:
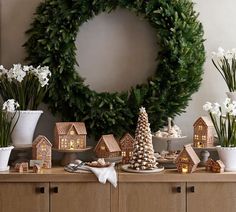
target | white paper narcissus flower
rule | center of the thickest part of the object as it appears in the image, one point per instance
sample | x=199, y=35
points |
x=16, y=73
x=10, y=105
x=216, y=109
x=27, y=68
x=43, y=74
x=226, y=102
x=207, y=106
x=220, y=53
x=229, y=55
x=233, y=112
x=2, y=70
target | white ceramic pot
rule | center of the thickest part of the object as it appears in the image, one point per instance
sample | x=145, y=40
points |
x=4, y=157
x=231, y=95
x=228, y=157
x=23, y=132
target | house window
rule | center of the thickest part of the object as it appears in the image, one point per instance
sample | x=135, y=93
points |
x=199, y=144
x=43, y=147
x=123, y=154
x=72, y=132
x=184, y=168
x=196, y=137
x=130, y=154
x=102, y=148
x=184, y=159
x=72, y=144
x=200, y=127
x=203, y=137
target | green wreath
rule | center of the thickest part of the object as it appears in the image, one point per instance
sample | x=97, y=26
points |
x=178, y=75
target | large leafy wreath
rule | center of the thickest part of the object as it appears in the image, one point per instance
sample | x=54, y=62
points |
x=178, y=75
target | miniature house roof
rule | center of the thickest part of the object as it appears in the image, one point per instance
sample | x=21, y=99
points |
x=209, y=161
x=126, y=137
x=110, y=142
x=205, y=119
x=220, y=164
x=39, y=139
x=64, y=127
x=192, y=154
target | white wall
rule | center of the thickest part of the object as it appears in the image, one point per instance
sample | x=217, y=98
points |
x=121, y=42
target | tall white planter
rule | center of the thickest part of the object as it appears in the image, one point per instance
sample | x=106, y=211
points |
x=228, y=157
x=231, y=95
x=23, y=132
x=4, y=157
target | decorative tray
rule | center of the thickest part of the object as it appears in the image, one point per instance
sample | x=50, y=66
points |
x=127, y=169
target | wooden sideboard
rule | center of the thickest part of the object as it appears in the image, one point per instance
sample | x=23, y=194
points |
x=55, y=190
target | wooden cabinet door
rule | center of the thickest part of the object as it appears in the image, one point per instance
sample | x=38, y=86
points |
x=24, y=197
x=80, y=197
x=152, y=197
x=211, y=197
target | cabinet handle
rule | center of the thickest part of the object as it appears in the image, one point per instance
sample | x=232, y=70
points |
x=178, y=189
x=40, y=190
x=192, y=189
x=55, y=190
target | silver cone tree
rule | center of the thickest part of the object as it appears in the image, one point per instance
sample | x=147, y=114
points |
x=143, y=156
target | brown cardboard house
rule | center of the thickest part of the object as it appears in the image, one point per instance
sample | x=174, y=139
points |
x=218, y=166
x=209, y=163
x=127, y=147
x=107, y=147
x=42, y=150
x=22, y=167
x=36, y=168
x=70, y=135
x=203, y=132
x=187, y=160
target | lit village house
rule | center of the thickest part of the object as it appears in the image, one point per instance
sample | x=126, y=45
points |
x=70, y=135
x=42, y=150
x=127, y=148
x=107, y=147
x=203, y=135
x=187, y=160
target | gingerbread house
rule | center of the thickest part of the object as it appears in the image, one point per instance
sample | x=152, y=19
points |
x=203, y=133
x=19, y=167
x=218, y=166
x=70, y=135
x=22, y=167
x=36, y=168
x=187, y=160
x=209, y=164
x=42, y=150
x=127, y=148
x=107, y=147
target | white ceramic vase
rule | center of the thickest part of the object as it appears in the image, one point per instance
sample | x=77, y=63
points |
x=231, y=95
x=228, y=157
x=22, y=135
x=4, y=157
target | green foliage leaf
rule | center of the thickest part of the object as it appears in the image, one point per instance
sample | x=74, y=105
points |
x=177, y=77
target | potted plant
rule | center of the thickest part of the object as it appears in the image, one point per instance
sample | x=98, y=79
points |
x=225, y=63
x=225, y=126
x=28, y=86
x=6, y=131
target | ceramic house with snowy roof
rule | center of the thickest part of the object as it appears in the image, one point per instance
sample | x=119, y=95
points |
x=107, y=147
x=203, y=133
x=187, y=160
x=127, y=148
x=70, y=135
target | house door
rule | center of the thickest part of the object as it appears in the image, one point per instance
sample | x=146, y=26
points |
x=72, y=144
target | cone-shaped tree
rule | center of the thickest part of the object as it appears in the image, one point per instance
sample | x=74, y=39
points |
x=143, y=156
